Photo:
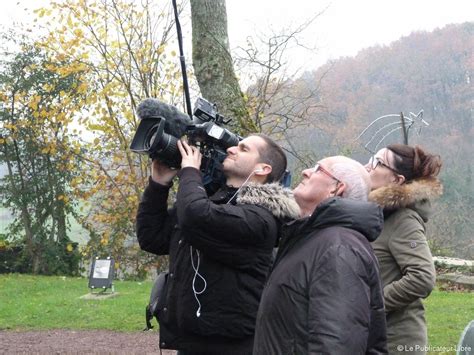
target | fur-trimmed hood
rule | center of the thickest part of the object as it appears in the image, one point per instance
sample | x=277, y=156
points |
x=416, y=192
x=277, y=199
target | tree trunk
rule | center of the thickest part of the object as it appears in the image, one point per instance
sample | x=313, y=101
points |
x=213, y=64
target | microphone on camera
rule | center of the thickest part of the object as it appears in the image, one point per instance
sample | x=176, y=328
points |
x=155, y=108
x=176, y=121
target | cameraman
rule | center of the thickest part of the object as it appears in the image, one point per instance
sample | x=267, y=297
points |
x=220, y=247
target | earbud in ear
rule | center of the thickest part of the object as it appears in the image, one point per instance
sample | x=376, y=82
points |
x=258, y=171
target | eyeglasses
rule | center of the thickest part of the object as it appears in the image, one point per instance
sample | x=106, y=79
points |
x=318, y=167
x=375, y=162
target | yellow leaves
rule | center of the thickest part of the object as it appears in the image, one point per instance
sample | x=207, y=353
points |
x=48, y=87
x=31, y=67
x=118, y=158
x=33, y=105
x=77, y=150
x=84, y=56
x=9, y=126
x=82, y=88
x=61, y=118
x=63, y=198
x=3, y=97
x=76, y=181
x=42, y=12
x=160, y=49
x=115, y=44
x=128, y=115
x=132, y=200
x=97, y=127
x=50, y=67
x=78, y=33
x=61, y=57
x=50, y=148
x=104, y=240
x=34, y=101
x=69, y=247
x=89, y=42
x=43, y=113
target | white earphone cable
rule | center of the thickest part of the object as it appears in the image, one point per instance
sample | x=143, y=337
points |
x=196, y=274
x=196, y=267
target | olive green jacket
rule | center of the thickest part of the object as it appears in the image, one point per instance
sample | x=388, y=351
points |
x=406, y=264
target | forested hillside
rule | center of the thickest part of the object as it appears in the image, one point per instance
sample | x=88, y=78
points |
x=430, y=71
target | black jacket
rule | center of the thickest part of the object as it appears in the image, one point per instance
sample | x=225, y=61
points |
x=324, y=294
x=234, y=243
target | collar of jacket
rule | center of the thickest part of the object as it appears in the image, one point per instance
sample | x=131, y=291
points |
x=274, y=197
x=223, y=195
x=416, y=193
x=364, y=217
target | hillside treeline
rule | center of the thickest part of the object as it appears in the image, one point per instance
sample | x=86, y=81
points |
x=425, y=71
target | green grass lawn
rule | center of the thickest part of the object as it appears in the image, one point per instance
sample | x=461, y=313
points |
x=447, y=314
x=40, y=302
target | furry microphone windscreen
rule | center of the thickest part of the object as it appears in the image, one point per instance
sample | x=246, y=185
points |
x=176, y=121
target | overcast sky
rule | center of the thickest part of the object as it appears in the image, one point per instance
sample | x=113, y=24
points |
x=346, y=26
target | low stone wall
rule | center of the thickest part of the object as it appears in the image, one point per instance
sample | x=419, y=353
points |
x=455, y=273
x=465, y=281
x=453, y=261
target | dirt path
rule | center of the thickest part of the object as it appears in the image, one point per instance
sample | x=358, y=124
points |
x=80, y=342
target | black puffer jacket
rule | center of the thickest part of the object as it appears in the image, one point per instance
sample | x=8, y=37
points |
x=235, y=243
x=324, y=295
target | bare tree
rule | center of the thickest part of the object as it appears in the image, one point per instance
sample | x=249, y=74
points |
x=278, y=103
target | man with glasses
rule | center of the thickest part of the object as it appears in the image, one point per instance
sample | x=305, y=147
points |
x=324, y=294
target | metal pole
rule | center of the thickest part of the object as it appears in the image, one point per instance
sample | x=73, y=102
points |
x=183, y=64
x=404, y=129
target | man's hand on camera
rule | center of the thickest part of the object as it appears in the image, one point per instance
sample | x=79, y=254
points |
x=190, y=154
x=161, y=173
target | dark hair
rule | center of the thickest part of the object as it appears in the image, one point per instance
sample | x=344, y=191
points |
x=273, y=155
x=414, y=162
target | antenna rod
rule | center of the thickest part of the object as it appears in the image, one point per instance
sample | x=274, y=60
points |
x=183, y=64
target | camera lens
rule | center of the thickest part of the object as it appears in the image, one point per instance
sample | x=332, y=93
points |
x=151, y=136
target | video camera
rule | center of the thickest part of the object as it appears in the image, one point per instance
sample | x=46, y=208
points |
x=162, y=125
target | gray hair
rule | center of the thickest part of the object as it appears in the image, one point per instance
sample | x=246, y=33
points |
x=354, y=176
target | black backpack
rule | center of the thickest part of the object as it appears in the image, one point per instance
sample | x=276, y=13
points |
x=157, y=299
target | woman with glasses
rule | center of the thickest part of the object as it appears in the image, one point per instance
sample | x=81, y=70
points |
x=404, y=181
